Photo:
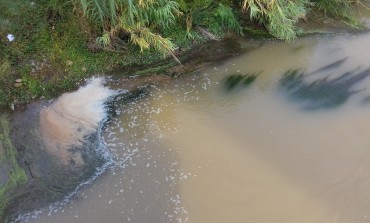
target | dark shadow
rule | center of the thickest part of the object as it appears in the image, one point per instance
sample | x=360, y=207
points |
x=239, y=80
x=366, y=100
x=331, y=66
x=325, y=92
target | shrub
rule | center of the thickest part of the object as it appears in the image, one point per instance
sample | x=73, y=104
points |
x=215, y=16
x=279, y=16
x=138, y=20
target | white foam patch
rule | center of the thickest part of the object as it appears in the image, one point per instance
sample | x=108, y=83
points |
x=72, y=117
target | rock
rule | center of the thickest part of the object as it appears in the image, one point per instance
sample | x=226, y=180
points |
x=10, y=37
x=17, y=85
x=18, y=80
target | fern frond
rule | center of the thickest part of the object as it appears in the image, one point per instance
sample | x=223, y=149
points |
x=227, y=18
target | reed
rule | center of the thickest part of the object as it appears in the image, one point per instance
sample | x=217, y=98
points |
x=281, y=16
x=139, y=20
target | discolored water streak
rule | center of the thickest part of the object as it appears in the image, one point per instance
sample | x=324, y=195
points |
x=201, y=150
x=67, y=122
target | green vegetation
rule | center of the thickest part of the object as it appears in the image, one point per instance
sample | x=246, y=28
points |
x=60, y=43
x=136, y=19
x=16, y=175
x=214, y=16
x=52, y=52
x=279, y=16
x=339, y=8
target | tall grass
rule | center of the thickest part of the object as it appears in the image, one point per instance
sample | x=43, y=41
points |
x=140, y=20
x=214, y=16
x=144, y=21
x=279, y=16
x=339, y=8
x=7, y=10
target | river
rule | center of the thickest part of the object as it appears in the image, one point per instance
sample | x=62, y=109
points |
x=291, y=146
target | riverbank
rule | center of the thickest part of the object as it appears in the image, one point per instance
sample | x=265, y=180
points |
x=183, y=145
x=44, y=178
x=32, y=178
x=53, y=50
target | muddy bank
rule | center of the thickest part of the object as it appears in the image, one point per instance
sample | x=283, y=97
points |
x=197, y=58
x=56, y=144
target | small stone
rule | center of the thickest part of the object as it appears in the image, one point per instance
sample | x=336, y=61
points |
x=10, y=37
x=17, y=85
x=18, y=80
x=84, y=69
x=69, y=63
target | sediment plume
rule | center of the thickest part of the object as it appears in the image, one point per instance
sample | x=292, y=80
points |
x=66, y=124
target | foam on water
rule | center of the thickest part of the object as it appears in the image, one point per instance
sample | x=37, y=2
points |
x=67, y=122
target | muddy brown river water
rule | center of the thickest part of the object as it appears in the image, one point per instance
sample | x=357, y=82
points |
x=292, y=146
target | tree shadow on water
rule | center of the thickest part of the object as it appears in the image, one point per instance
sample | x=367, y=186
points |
x=239, y=80
x=325, y=92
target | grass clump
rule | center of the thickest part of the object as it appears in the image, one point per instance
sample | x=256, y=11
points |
x=338, y=8
x=281, y=16
x=213, y=16
x=138, y=20
x=278, y=16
